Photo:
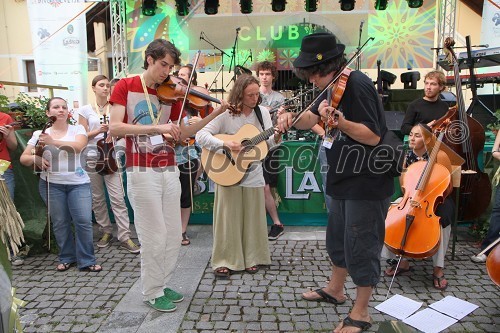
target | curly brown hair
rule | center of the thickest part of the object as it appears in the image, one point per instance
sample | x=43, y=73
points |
x=267, y=66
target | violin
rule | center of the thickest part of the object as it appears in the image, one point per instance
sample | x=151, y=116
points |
x=174, y=89
x=15, y=123
x=337, y=94
x=38, y=150
x=106, y=163
x=466, y=137
x=412, y=228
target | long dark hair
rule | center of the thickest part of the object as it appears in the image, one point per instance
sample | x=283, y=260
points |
x=236, y=94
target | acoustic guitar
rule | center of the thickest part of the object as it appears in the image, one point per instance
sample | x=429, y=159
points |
x=226, y=168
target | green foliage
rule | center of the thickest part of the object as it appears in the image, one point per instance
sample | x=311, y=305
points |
x=495, y=126
x=34, y=109
x=480, y=228
x=4, y=101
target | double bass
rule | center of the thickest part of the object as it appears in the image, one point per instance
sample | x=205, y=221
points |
x=466, y=137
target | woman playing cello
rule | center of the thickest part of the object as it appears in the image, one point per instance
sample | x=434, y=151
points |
x=419, y=141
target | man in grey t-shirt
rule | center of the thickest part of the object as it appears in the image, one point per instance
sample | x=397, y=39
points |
x=266, y=72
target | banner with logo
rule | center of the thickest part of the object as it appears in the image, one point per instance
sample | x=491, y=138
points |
x=59, y=37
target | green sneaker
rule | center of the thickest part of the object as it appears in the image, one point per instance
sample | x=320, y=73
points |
x=162, y=304
x=105, y=240
x=173, y=295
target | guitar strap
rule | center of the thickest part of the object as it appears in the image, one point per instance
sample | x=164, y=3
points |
x=259, y=116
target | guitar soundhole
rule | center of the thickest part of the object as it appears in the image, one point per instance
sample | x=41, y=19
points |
x=247, y=145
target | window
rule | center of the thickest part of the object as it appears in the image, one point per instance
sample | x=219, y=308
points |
x=29, y=67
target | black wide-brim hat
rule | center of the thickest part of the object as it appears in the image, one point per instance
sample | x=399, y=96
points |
x=318, y=48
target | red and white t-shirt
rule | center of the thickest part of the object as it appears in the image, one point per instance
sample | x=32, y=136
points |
x=129, y=93
x=4, y=152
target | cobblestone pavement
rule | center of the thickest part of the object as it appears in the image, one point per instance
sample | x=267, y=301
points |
x=268, y=301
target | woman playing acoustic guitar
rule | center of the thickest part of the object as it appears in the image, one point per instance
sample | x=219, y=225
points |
x=240, y=230
x=419, y=142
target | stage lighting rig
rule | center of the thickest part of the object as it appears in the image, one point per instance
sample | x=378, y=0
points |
x=381, y=4
x=347, y=5
x=311, y=5
x=278, y=5
x=415, y=3
x=211, y=7
x=149, y=7
x=246, y=6
x=182, y=7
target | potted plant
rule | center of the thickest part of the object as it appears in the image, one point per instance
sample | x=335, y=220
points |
x=33, y=109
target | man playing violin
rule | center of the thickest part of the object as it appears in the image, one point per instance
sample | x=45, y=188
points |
x=153, y=177
x=360, y=193
x=429, y=108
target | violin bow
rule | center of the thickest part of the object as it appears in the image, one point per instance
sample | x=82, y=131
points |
x=332, y=81
x=188, y=85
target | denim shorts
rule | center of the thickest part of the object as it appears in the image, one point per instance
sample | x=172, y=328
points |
x=355, y=237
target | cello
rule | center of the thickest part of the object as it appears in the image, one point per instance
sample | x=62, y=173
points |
x=466, y=137
x=412, y=228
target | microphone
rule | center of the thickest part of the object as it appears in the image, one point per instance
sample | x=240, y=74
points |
x=238, y=29
x=201, y=35
x=361, y=24
x=251, y=57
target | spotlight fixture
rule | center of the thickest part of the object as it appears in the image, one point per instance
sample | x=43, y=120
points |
x=246, y=6
x=311, y=5
x=211, y=7
x=278, y=5
x=381, y=4
x=148, y=7
x=182, y=7
x=347, y=5
x=415, y=3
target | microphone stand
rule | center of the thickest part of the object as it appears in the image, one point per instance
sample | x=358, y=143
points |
x=358, y=60
x=233, y=57
x=215, y=81
x=202, y=37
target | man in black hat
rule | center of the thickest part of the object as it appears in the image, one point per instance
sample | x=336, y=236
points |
x=360, y=192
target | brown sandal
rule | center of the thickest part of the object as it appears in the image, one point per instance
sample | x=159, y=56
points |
x=222, y=272
x=252, y=270
x=185, y=239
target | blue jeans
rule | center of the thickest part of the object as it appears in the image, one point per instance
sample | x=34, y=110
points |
x=494, y=228
x=71, y=204
x=9, y=181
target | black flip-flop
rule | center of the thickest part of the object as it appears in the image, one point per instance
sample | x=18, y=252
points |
x=324, y=297
x=364, y=325
x=66, y=266
x=92, y=268
x=399, y=271
x=438, y=280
